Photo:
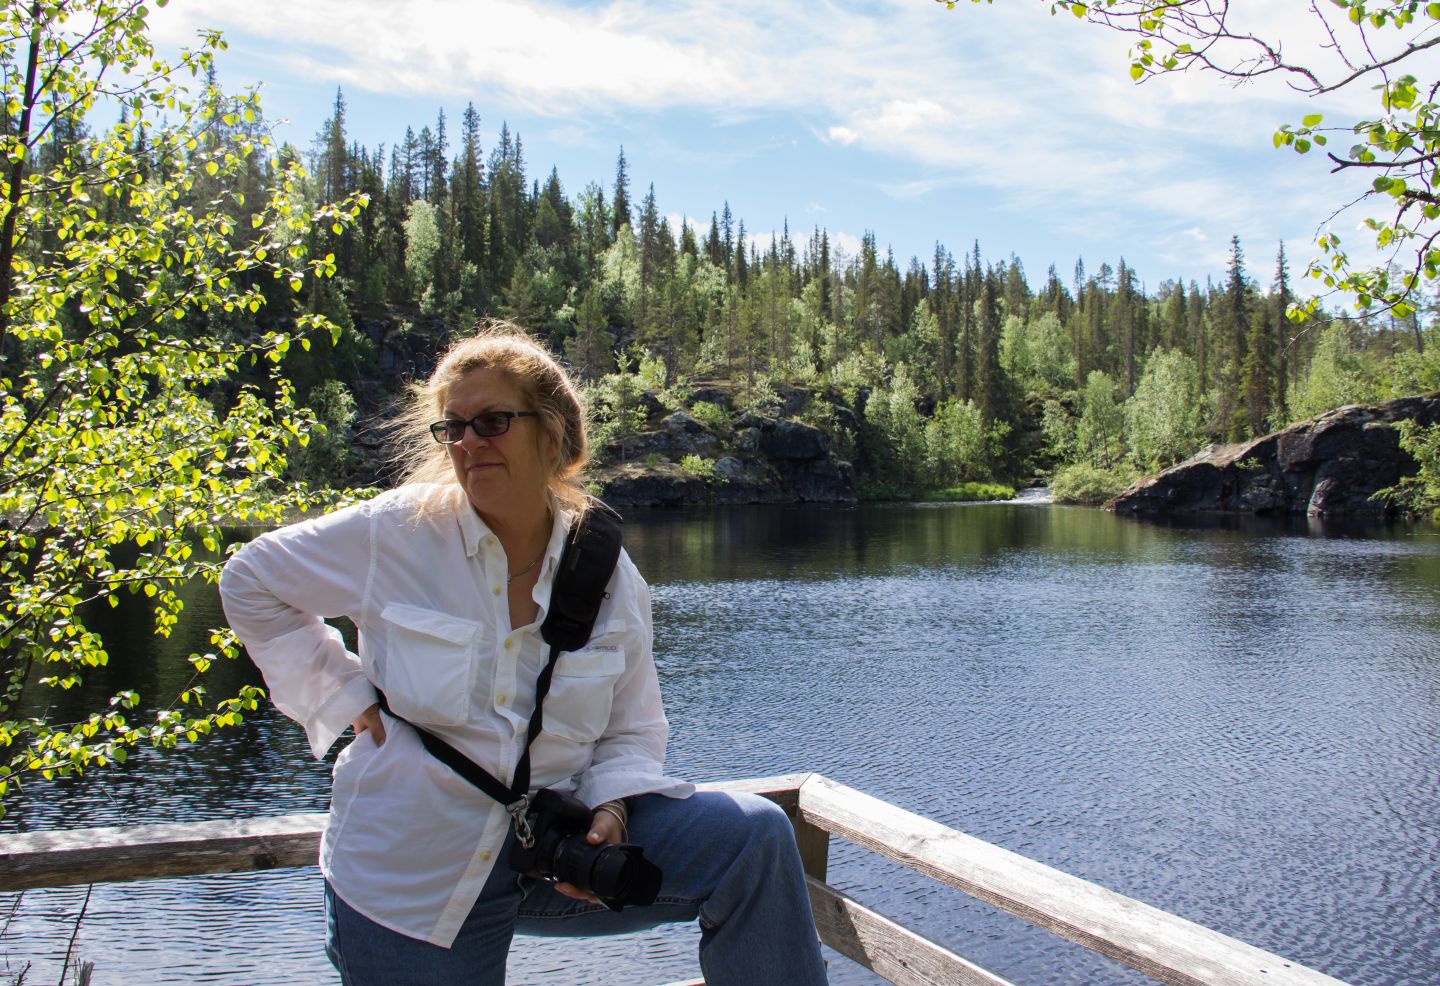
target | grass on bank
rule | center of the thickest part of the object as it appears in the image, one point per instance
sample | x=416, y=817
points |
x=873, y=491
x=970, y=493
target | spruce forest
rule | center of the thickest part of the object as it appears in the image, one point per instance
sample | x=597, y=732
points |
x=954, y=369
x=927, y=374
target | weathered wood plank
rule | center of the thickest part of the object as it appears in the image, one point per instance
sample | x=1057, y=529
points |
x=143, y=852
x=783, y=789
x=1161, y=945
x=888, y=949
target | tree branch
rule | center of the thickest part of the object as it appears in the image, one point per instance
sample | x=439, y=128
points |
x=17, y=176
x=1341, y=163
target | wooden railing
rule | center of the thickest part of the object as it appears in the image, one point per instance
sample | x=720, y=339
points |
x=1165, y=947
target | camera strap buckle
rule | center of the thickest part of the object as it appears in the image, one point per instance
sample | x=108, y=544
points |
x=523, y=833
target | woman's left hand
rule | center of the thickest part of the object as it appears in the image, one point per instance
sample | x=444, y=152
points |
x=604, y=830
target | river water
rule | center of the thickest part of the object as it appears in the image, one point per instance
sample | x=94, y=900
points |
x=1235, y=722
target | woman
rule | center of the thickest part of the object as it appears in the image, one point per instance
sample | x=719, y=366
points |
x=448, y=579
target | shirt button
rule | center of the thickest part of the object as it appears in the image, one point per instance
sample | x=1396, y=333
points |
x=509, y=644
x=490, y=542
x=484, y=857
x=500, y=699
x=496, y=590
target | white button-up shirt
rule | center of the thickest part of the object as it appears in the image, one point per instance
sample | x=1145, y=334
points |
x=409, y=843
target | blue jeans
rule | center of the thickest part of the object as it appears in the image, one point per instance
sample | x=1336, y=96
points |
x=729, y=860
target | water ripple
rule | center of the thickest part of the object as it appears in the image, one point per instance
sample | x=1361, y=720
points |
x=1239, y=724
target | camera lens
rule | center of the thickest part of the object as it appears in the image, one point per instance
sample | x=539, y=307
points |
x=609, y=872
x=612, y=872
x=576, y=861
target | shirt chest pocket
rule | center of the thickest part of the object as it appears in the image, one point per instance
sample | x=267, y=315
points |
x=583, y=686
x=429, y=667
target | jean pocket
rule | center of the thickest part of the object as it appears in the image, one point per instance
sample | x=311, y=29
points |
x=429, y=667
x=578, y=705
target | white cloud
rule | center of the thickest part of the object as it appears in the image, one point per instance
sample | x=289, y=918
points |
x=1035, y=112
x=545, y=56
x=844, y=243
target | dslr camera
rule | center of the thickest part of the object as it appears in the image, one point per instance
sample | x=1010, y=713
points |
x=617, y=874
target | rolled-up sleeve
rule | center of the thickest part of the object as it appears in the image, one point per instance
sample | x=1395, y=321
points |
x=277, y=593
x=629, y=757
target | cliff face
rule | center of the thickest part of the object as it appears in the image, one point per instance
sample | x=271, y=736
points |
x=761, y=460
x=1328, y=466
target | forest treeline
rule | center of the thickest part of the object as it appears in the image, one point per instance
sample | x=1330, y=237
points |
x=958, y=368
x=928, y=373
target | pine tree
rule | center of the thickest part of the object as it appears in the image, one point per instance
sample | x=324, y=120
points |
x=1126, y=321
x=727, y=227
x=714, y=246
x=439, y=147
x=1284, y=361
x=1196, y=331
x=787, y=248
x=1017, y=290
x=1176, y=324
x=331, y=167
x=1056, y=299
x=1236, y=331
x=649, y=254
x=823, y=273
x=509, y=209
x=468, y=195
x=407, y=180
x=689, y=247
x=620, y=201
x=1257, y=379
x=942, y=305
x=1237, y=321
x=742, y=271
x=594, y=225
x=554, y=218
x=989, y=385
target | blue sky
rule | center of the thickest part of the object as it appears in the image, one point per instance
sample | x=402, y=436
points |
x=992, y=122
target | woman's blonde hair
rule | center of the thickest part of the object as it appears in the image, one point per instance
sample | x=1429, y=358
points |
x=548, y=390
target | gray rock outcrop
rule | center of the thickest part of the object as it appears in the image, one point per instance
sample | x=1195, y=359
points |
x=763, y=460
x=1328, y=466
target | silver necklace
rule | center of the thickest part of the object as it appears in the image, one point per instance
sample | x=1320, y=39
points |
x=512, y=576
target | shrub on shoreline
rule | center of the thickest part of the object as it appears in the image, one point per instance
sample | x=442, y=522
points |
x=971, y=493
x=1087, y=484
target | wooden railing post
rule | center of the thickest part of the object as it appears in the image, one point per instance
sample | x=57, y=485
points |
x=814, y=843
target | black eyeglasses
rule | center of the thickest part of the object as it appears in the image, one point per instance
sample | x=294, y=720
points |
x=486, y=424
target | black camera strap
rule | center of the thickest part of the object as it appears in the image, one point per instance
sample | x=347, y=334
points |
x=592, y=547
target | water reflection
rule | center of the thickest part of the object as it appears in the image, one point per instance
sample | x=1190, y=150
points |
x=1234, y=721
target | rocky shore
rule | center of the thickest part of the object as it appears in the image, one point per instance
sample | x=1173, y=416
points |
x=1328, y=466
x=757, y=459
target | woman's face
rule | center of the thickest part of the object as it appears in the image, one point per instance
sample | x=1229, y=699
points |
x=504, y=476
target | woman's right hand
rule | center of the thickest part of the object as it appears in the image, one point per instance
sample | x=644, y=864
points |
x=370, y=720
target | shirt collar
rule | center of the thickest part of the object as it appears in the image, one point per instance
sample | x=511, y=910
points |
x=474, y=530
